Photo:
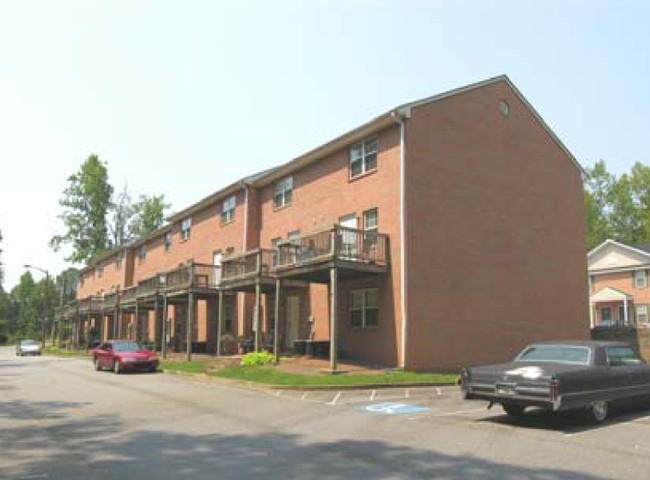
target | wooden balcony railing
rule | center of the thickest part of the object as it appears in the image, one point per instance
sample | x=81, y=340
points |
x=90, y=304
x=128, y=294
x=150, y=286
x=194, y=275
x=255, y=263
x=334, y=243
x=110, y=301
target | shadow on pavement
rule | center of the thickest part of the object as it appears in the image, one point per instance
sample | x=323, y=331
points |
x=102, y=447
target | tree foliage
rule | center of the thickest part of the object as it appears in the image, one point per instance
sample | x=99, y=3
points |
x=617, y=207
x=95, y=220
x=86, y=202
x=2, y=272
x=148, y=215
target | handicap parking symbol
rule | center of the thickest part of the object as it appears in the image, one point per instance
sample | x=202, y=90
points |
x=394, y=408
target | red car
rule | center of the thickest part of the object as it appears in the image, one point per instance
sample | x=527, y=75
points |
x=124, y=355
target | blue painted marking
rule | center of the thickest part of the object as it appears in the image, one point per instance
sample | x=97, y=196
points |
x=394, y=408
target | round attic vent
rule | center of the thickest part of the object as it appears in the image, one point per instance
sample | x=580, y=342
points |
x=504, y=108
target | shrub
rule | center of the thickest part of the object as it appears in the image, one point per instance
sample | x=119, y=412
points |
x=257, y=359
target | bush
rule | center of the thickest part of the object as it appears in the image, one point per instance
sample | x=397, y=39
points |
x=257, y=359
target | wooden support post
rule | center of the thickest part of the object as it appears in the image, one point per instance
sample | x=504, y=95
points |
x=276, y=334
x=256, y=316
x=156, y=326
x=333, y=322
x=190, y=313
x=188, y=327
x=219, y=322
x=163, y=347
x=135, y=323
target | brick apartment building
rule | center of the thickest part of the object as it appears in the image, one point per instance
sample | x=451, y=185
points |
x=444, y=232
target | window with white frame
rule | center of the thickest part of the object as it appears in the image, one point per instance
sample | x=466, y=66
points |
x=363, y=157
x=168, y=240
x=371, y=220
x=640, y=279
x=641, y=314
x=294, y=237
x=283, y=192
x=186, y=228
x=364, y=308
x=142, y=253
x=228, y=210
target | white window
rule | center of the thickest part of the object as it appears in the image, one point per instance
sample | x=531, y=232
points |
x=228, y=210
x=283, y=192
x=641, y=314
x=186, y=227
x=370, y=220
x=142, y=253
x=363, y=157
x=168, y=240
x=640, y=279
x=364, y=308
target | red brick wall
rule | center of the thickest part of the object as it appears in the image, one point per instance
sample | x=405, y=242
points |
x=323, y=192
x=496, y=256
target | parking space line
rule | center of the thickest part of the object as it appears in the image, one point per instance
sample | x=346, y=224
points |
x=304, y=395
x=333, y=402
x=373, y=394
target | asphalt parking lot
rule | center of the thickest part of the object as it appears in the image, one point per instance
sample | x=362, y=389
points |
x=59, y=419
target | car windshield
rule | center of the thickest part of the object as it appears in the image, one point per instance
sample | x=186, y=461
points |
x=28, y=342
x=126, y=347
x=555, y=353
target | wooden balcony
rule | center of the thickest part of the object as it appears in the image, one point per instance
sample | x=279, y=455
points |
x=128, y=295
x=200, y=277
x=355, y=252
x=149, y=287
x=110, y=301
x=247, y=269
x=90, y=305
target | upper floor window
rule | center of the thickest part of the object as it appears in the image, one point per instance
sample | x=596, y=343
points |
x=283, y=192
x=640, y=279
x=364, y=308
x=363, y=157
x=142, y=253
x=228, y=210
x=168, y=240
x=186, y=227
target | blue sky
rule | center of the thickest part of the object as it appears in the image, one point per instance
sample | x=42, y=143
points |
x=182, y=98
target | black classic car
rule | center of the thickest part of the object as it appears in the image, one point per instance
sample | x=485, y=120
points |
x=560, y=376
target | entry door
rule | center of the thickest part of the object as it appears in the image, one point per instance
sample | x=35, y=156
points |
x=348, y=239
x=293, y=319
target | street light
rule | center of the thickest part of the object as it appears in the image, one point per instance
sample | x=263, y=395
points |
x=47, y=281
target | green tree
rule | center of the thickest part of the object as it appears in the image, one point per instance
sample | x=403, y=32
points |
x=2, y=271
x=26, y=309
x=148, y=215
x=597, y=197
x=122, y=211
x=86, y=202
x=625, y=215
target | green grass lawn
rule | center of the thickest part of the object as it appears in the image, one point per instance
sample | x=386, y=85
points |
x=61, y=352
x=269, y=375
x=193, y=366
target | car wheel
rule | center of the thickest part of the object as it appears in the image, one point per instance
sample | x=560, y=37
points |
x=513, y=410
x=96, y=363
x=598, y=411
x=116, y=367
